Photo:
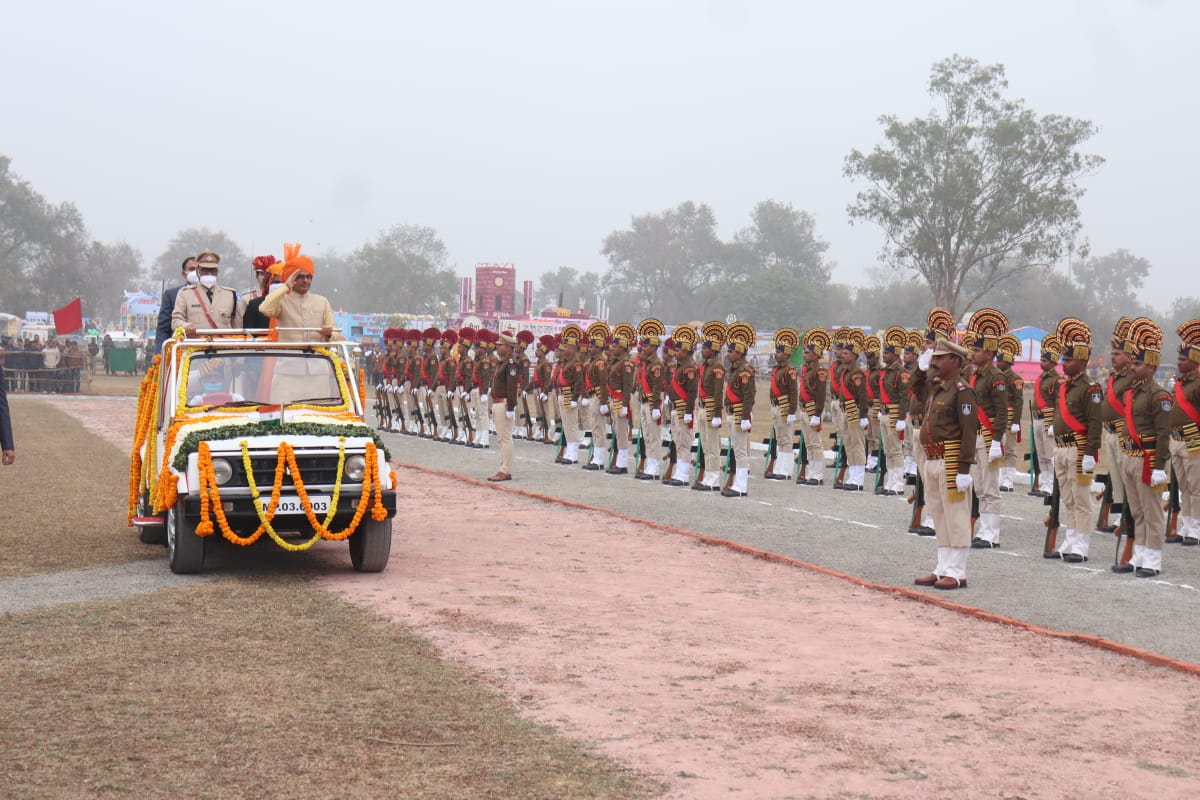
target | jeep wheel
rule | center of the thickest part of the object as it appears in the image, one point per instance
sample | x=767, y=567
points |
x=150, y=534
x=371, y=545
x=185, y=550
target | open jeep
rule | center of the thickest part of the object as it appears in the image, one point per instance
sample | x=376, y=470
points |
x=243, y=437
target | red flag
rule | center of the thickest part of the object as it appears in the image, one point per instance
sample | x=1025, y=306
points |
x=69, y=318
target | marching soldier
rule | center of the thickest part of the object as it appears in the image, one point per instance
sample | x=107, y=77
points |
x=1077, y=438
x=682, y=392
x=849, y=386
x=710, y=391
x=1006, y=355
x=1112, y=419
x=506, y=383
x=429, y=374
x=444, y=393
x=984, y=330
x=542, y=373
x=739, y=404
x=811, y=390
x=949, y=434
x=570, y=386
x=784, y=401
x=650, y=395
x=595, y=394
x=1045, y=390
x=1144, y=448
x=464, y=383
x=872, y=371
x=1185, y=432
x=892, y=393
x=620, y=387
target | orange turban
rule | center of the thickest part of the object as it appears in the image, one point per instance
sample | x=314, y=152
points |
x=294, y=262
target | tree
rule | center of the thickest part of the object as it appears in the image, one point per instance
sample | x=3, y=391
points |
x=668, y=265
x=1112, y=280
x=236, y=271
x=985, y=189
x=403, y=270
x=567, y=283
x=109, y=270
x=1183, y=309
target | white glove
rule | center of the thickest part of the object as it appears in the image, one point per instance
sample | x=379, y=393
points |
x=882, y=416
x=687, y=419
x=924, y=360
x=585, y=401
x=1089, y=463
x=791, y=418
x=483, y=398
x=864, y=423
x=414, y=391
x=603, y=408
x=716, y=422
x=429, y=392
x=995, y=451
x=574, y=404
x=814, y=422
x=962, y=482
x=655, y=414
x=543, y=397
x=510, y=414
x=746, y=425
x=524, y=393
x=900, y=426
x=1158, y=477
x=1016, y=427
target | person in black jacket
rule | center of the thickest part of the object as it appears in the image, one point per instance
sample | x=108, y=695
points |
x=190, y=278
x=8, y=452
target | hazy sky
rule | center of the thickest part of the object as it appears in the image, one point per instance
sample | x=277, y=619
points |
x=527, y=131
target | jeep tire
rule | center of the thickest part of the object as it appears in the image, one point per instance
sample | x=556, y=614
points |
x=185, y=550
x=371, y=545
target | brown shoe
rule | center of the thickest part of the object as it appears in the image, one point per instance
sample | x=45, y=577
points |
x=928, y=580
x=950, y=583
x=500, y=476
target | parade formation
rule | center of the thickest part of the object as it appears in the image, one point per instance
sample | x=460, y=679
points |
x=933, y=415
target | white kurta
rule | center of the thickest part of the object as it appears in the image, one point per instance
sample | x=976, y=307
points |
x=294, y=310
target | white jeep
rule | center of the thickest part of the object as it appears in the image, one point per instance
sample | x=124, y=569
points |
x=242, y=437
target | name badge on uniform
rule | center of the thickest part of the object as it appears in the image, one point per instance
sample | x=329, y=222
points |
x=512, y=371
x=1166, y=405
x=967, y=409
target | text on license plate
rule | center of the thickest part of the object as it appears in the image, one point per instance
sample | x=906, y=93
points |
x=294, y=505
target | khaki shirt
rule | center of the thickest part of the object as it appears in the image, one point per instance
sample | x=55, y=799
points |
x=739, y=396
x=712, y=385
x=952, y=415
x=783, y=388
x=684, y=382
x=506, y=382
x=192, y=301
x=1150, y=406
x=1083, y=403
x=814, y=378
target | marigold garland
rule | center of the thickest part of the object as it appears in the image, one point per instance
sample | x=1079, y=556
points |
x=143, y=424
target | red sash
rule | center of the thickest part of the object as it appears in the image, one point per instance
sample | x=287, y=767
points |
x=646, y=391
x=424, y=374
x=700, y=383
x=839, y=387
x=883, y=395
x=680, y=392
x=1038, y=398
x=1078, y=428
x=1181, y=401
x=1112, y=398
x=1131, y=432
x=212, y=323
x=804, y=395
x=562, y=378
x=774, y=386
x=870, y=391
x=729, y=395
x=984, y=420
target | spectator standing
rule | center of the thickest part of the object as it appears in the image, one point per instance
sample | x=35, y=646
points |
x=106, y=346
x=7, y=447
x=73, y=359
x=51, y=359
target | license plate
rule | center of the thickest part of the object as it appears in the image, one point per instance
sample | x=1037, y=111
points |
x=294, y=505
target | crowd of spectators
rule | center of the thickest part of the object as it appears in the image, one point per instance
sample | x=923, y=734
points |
x=32, y=365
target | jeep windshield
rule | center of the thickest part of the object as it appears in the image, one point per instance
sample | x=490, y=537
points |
x=242, y=378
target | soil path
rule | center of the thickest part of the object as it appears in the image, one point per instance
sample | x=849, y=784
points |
x=726, y=675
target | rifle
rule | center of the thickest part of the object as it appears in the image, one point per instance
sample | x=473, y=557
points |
x=1106, y=503
x=382, y=411
x=730, y=466
x=772, y=453
x=839, y=461
x=1124, y=537
x=431, y=416
x=641, y=451
x=698, y=460
x=399, y=408
x=918, y=503
x=801, y=458
x=1172, y=509
x=880, y=468
x=466, y=420
x=672, y=458
x=526, y=415
x=1050, y=547
x=1035, y=470
x=561, y=435
x=974, y=510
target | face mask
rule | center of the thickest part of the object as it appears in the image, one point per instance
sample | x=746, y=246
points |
x=208, y=281
x=192, y=278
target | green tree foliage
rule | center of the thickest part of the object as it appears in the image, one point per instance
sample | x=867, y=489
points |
x=567, y=283
x=975, y=193
x=236, y=270
x=47, y=257
x=670, y=265
x=890, y=302
x=404, y=269
x=1183, y=309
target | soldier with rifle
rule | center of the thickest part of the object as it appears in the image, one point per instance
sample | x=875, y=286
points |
x=650, y=395
x=1112, y=419
x=892, y=391
x=570, y=387
x=429, y=371
x=784, y=401
x=620, y=386
x=710, y=398
x=983, y=333
x=682, y=392
x=1077, y=440
x=1045, y=390
x=739, y=405
x=595, y=394
x=1006, y=355
x=871, y=349
x=811, y=386
x=541, y=386
x=464, y=384
x=849, y=386
x=1185, y=433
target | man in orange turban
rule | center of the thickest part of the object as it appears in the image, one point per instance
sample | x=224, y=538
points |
x=295, y=306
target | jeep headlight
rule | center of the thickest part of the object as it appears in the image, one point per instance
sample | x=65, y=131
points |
x=222, y=470
x=355, y=467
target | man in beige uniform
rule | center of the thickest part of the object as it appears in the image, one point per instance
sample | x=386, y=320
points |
x=710, y=399
x=649, y=389
x=1076, y=439
x=1185, y=432
x=811, y=388
x=206, y=305
x=296, y=306
x=506, y=383
x=739, y=404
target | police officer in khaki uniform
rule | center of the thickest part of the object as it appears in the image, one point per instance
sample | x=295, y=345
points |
x=1045, y=390
x=619, y=389
x=506, y=383
x=1185, y=432
x=811, y=388
x=206, y=305
x=649, y=388
x=1006, y=354
x=1076, y=438
x=1112, y=418
x=595, y=395
x=984, y=330
x=891, y=390
x=1145, y=448
x=739, y=405
x=784, y=401
x=569, y=385
x=948, y=436
x=710, y=391
x=848, y=384
x=682, y=393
